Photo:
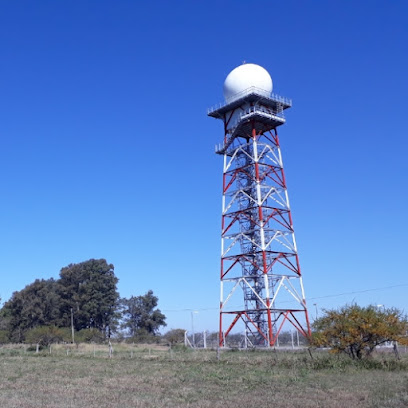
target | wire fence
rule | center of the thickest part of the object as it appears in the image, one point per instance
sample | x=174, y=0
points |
x=142, y=352
x=205, y=339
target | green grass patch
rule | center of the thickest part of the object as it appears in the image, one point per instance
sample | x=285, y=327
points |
x=154, y=376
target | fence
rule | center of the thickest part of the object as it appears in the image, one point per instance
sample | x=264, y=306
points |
x=207, y=339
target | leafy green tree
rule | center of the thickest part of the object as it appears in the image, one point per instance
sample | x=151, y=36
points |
x=357, y=330
x=37, y=304
x=140, y=314
x=89, y=289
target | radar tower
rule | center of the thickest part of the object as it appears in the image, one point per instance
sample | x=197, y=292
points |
x=261, y=280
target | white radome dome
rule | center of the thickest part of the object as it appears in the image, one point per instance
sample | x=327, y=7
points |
x=247, y=76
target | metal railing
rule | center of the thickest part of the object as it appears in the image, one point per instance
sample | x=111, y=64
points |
x=249, y=91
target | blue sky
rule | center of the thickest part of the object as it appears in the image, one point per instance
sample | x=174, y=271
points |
x=107, y=151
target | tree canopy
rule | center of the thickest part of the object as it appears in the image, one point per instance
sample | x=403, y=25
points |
x=89, y=288
x=357, y=330
x=37, y=304
x=86, y=293
x=139, y=314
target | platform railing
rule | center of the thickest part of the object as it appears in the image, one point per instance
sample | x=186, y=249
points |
x=251, y=90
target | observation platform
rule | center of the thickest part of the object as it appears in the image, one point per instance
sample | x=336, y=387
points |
x=257, y=111
x=250, y=95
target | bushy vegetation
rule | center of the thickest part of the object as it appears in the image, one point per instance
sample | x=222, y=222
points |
x=46, y=335
x=90, y=335
x=357, y=331
x=174, y=336
x=4, y=337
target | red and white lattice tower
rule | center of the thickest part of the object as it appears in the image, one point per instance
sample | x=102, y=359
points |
x=261, y=281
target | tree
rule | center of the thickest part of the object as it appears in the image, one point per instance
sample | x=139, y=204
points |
x=139, y=314
x=4, y=333
x=89, y=336
x=175, y=336
x=38, y=304
x=4, y=337
x=46, y=335
x=357, y=330
x=4, y=326
x=89, y=289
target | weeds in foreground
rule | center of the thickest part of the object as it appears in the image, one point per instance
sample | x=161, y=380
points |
x=159, y=377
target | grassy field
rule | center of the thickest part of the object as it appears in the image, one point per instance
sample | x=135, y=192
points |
x=152, y=376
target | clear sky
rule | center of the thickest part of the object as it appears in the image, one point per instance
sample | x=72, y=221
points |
x=107, y=152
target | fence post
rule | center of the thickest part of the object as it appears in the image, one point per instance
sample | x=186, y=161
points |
x=396, y=352
x=186, y=340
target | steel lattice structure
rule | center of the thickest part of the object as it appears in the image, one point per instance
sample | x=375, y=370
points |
x=261, y=281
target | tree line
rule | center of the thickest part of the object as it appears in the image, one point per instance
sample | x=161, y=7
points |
x=84, y=303
x=84, y=297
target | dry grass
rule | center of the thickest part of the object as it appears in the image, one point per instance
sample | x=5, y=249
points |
x=153, y=376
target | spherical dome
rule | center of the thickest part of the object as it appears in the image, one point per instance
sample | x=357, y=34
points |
x=246, y=76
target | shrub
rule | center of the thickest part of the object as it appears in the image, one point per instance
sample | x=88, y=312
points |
x=174, y=336
x=4, y=337
x=45, y=335
x=89, y=336
x=357, y=330
x=143, y=336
